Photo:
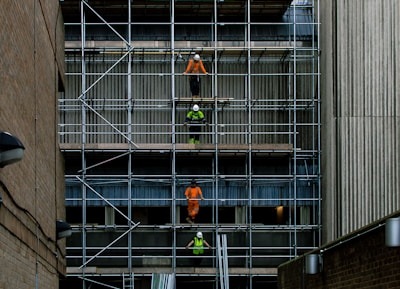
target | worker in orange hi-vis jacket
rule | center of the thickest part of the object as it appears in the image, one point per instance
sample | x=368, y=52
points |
x=192, y=193
x=195, y=66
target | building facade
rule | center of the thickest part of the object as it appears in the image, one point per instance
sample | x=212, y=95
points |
x=360, y=171
x=128, y=154
x=367, y=257
x=31, y=190
x=360, y=114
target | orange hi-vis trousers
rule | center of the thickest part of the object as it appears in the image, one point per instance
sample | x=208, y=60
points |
x=193, y=208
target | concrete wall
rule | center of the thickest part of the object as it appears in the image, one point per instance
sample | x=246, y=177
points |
x=358, y=260
x=32, y=190
x=360, y=113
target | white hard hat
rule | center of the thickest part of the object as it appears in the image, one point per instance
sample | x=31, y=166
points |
x=199, y=235
x=196, y=57
x=195, y=107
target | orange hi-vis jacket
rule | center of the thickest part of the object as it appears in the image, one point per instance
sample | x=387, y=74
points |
x=193, y=193
x=195, y=67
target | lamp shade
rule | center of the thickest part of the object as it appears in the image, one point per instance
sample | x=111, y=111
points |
x=11, y=149
x=63, y=229
x=9, y=142
x=312, y=264
x=392, y=232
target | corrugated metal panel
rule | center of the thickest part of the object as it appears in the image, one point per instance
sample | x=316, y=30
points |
x=368, y=111
x=232, y=193
x=152, y=114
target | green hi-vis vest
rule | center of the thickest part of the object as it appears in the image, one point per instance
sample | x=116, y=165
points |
x=195, y=116
x=198, y=247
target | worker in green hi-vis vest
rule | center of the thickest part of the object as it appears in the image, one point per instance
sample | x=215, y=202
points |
x=198, y=247
x=195, y=118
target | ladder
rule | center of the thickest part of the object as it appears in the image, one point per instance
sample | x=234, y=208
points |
x=162, y=281
x=128, y=281
x=222, y=251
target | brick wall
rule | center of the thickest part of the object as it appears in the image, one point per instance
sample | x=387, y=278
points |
x=32, y=190
x=358, y=260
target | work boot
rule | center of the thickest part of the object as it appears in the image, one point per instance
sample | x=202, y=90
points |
x=191, y=140
x=189, y=220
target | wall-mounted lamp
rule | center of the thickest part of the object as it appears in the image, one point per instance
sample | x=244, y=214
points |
x=11, y=149
x=313, y=263
x=392, y=232
x=63, y=229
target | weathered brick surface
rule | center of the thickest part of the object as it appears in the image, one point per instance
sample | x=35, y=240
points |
x=32, y=190
x=360, y=260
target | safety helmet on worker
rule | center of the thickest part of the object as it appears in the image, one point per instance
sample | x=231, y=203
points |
x=199, y=235
x=196, y=107
x=196, y=57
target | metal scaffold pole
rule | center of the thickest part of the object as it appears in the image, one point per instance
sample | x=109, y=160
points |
x=222, y=246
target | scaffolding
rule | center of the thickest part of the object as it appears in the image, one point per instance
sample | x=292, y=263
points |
x=127, y=156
